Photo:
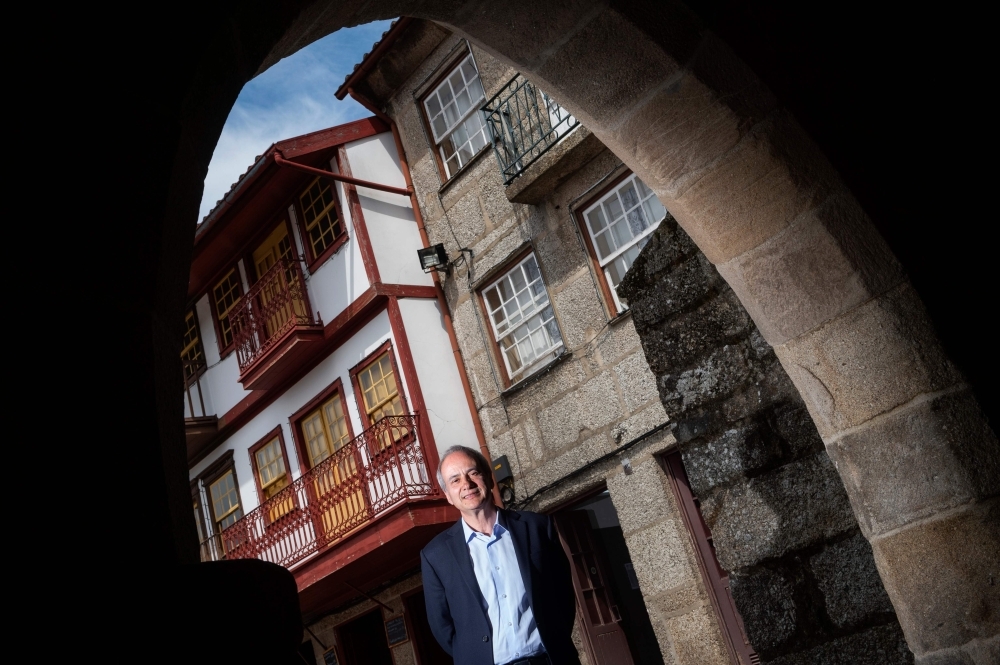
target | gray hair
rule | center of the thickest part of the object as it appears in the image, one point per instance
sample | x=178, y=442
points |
x=481, y=463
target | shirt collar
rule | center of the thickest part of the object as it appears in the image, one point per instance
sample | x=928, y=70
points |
x=498, y=528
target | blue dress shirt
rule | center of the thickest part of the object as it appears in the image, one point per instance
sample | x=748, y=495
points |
x=515, y=634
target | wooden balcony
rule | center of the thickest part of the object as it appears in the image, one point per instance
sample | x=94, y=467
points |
x=274, y=327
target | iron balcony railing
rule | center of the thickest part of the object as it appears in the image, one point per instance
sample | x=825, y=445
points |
x=524, y=123
x=382, y=467
x=276, y=304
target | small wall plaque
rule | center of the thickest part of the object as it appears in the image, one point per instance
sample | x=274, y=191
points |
x=330, y=657
x=395, y=630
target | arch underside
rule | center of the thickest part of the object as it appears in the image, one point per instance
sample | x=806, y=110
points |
x=762, y=202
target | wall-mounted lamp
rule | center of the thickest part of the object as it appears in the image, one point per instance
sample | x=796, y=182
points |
x=434, y=258
x=505, y=479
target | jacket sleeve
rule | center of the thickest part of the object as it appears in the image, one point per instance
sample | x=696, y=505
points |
x=438, y=612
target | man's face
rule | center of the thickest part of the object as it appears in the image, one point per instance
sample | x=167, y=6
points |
x=465, y=487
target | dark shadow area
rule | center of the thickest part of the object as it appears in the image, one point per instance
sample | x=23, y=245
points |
x=891, y=97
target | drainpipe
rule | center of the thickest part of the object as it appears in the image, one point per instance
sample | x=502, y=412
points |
x=442, y=302
x=280, y=160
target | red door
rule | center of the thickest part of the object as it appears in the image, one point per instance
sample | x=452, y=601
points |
x=600, y=618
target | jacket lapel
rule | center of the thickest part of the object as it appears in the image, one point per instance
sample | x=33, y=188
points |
x=463, y=560
x=519, y=532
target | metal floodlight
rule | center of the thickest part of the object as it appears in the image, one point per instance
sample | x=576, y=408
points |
x=433, y=258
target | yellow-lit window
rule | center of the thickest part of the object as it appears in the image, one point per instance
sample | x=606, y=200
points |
x=273, y=477
x=325, y=430
x=225, y=501
x=226, y=293
x=378, y=386
x=192, y=357
x=271, y=468
x=322, y=222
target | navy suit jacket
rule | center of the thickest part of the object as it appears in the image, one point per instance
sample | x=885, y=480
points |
x=456, y=608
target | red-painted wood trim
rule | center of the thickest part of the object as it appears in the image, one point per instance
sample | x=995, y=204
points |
x=730, y=622
x=330, y=137
x=372, y=535
x=296, y=419
x=252, y=451
x=364, y=308
x=358, y=217
x=413, y=383
x=407, y=291
x=442, y=301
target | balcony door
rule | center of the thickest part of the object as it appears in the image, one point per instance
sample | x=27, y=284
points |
x=277, y=304
x=336, y=477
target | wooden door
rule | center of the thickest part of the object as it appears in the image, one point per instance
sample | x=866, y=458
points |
x=741, y=652
x=595, y=603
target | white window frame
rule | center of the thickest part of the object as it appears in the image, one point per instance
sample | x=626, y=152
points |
x=605, y=204
x=435, y=110
x=536, y=310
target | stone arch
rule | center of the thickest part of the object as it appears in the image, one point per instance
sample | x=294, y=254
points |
x=764, y=205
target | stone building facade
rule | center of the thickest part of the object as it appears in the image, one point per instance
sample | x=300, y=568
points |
x=683, y=371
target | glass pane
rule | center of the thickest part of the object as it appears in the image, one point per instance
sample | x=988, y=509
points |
x=469, y=70
x=629, y=196
x=446, y=94
x=654, y=209
x=636, y=221
x=440, y=126
x=596, y=219
x=451, y=114
x=433, y=106
x=463, y=102
x=493, y=299
x=605, y=244
x=621, y=233
x=517, y=279
x=531, y=267
x=456, y=80
x=614, y=208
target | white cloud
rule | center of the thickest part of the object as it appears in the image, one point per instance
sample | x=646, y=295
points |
x=292, y=98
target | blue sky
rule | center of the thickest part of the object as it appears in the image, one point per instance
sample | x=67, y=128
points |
x=291, y=98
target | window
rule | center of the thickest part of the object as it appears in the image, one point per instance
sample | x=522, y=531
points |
x=225, y=295
x=379, y=389
x=325, y=430
x=618, y=226
x=271, y=473
x=375, y=381
x=192, y=356
x=452, y=110
x=225, y=499
x=322, y=430
x=521, y=318
x=321, y=219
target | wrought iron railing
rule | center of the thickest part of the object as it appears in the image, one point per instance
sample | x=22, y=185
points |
x=274, y=305
x=378, y=469
x=524, y=123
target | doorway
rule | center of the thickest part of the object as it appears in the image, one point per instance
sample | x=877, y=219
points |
x=363, y=641
x=612, y=612
x=429, y=652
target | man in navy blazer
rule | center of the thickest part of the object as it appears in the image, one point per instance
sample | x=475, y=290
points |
x=497, y=584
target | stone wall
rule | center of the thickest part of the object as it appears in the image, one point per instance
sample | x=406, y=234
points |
x=802, y=574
